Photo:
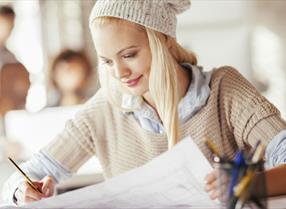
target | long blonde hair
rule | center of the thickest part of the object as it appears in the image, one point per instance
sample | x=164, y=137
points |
x=166, y=54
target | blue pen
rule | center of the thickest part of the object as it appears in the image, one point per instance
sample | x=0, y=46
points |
x=239, y=163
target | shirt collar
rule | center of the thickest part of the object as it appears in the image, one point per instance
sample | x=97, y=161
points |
x=196, y=96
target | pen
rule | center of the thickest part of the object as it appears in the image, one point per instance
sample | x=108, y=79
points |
x=241, y=189
x=258, y=154
x=213, y=148
x=242, y=185
x=238, y=167
x=250, y=156
x=24, y=175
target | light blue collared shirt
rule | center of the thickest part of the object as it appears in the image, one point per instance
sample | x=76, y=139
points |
x=275, y=153
x=196, y=97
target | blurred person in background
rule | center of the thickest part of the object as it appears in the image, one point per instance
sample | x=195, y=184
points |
x=70, y=75
x=7, y=18
x=14, y=78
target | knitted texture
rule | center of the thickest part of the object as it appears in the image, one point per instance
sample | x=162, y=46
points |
x=159, y=15
x=235, y=116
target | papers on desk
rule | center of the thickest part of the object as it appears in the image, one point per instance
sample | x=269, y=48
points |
x=175, y=179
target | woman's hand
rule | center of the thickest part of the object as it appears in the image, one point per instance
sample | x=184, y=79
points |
x=211, y=186
x=25, y=194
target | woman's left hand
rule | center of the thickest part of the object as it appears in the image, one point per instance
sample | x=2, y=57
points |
x=211, y=186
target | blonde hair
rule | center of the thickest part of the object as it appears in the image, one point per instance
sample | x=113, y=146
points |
x=166, y=54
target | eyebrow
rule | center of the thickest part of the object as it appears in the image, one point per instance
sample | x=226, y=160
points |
x=120, y=51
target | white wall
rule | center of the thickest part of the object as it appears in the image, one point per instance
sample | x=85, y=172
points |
x=224, y=32
x=217, y=31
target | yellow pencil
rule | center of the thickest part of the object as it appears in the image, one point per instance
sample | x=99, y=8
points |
x=24, y=175
x=243, y=184
x=213, y=148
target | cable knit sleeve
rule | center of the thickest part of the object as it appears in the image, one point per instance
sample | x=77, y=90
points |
x=250, y=115
x=76, y=143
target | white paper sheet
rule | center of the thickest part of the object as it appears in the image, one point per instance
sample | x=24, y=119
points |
x=174, y=179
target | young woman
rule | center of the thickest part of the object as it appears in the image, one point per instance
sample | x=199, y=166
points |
x=152, y=95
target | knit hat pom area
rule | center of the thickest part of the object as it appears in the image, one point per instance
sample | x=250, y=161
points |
x=159, y=15
x=179, y=6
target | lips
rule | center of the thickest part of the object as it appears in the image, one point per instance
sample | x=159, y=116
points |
x=133, y=82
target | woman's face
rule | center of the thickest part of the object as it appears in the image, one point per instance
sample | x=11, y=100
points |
x=123, y=50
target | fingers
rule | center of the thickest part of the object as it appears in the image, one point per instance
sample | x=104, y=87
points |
x=212, y=176
x=212, y=184
x=26, y=194
x=48, y=186
x=214, y=194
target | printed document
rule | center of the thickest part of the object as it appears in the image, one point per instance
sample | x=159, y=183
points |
x=174, y=179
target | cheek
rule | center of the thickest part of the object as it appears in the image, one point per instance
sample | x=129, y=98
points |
x=142, y=66
x=146, y=69
x=146, y=63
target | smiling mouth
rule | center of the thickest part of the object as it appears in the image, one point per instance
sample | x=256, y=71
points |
x=133, y=82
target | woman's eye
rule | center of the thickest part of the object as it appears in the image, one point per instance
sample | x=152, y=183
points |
x=131, y=55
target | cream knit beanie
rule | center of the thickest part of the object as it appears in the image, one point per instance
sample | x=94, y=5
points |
x=159, y=15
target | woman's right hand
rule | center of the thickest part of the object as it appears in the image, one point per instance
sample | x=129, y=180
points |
x=25, y=194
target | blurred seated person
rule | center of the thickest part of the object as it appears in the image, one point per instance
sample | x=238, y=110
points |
x=70, y=75
x=7, y=18
x=14, y=78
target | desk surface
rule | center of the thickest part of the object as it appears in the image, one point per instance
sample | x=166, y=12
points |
x=5, y=171
x=277, y=202
x=79, y=181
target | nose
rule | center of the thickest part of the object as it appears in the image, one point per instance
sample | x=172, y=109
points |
x=121, y=71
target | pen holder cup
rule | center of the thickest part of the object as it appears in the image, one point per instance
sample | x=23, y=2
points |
x=242, y=186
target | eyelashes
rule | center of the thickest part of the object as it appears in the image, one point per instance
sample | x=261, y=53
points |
x=130, y=55
x=126, y=56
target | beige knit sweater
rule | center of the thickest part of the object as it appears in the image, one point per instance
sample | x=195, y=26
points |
x=235, y=116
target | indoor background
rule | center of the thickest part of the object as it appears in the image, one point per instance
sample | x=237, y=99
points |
x=249, y=35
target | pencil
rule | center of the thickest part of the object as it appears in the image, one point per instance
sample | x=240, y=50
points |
x=213, y=148
x=24, y=175
x=258, y=154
